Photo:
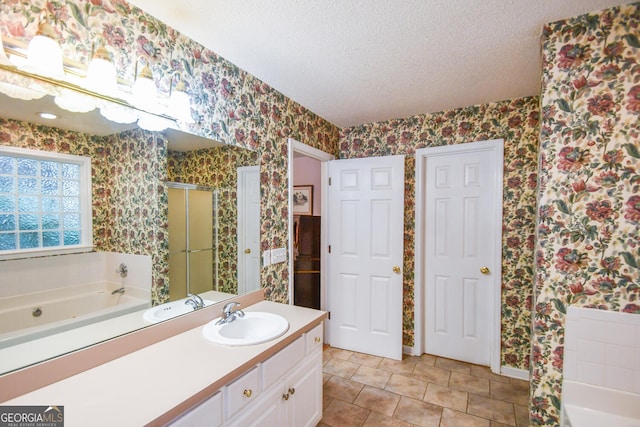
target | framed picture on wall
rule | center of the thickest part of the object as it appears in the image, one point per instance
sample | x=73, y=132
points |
x=303, y=200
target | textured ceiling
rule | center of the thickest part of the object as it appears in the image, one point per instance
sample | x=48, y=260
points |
x=360, y=61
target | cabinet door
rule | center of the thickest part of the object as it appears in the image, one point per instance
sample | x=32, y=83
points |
x=304, y=386
x=206, y=414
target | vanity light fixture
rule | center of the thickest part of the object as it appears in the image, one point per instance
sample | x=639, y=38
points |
x=10, y=87
x=143, y=92
x=101, y=73
x=179, y=102
x=44, y=55
x=76, y=91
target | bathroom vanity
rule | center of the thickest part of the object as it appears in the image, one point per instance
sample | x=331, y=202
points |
x=187, y=380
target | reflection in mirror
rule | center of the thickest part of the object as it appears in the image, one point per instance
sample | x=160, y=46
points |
x=130, y=169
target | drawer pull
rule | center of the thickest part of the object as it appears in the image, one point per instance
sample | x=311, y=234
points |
x=292, y=391
x=247, y=393
x=285, y=396
x=317, y=339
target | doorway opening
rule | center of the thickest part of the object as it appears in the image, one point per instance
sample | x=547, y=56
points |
x=307, y=224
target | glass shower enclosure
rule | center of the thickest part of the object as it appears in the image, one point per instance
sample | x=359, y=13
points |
x=192, y=239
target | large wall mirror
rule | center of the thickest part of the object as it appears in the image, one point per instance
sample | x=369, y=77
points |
x=191, y=205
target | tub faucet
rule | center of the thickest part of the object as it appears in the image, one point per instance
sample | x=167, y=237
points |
x=194, y=301
x=122, y=270
x=228, y=314
x=118, y=291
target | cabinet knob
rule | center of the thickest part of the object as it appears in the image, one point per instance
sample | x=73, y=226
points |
x=484, y=270
x=247, y=392
x=292, y=391
x=396, y=269
x=285, y=396
x=247, y=251
x=317, y=339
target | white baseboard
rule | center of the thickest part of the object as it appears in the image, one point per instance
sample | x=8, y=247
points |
x=521, y=374
x=412, y=351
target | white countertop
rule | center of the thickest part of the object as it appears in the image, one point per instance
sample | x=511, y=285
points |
x=136, y=389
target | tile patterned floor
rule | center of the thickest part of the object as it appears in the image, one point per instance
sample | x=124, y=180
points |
x=369, y=391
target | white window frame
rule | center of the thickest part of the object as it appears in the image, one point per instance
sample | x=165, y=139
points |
x=86, y=213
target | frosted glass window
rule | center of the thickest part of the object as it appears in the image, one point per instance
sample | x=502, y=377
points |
x=45, y=201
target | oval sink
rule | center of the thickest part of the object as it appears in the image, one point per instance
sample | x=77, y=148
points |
x=169, y=310
x=254, y=328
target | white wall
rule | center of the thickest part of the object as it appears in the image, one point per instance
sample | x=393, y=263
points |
x=306, y=171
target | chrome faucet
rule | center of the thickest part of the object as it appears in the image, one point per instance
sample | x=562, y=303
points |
x=229, y=314
x=194, y=301
x=122, y=270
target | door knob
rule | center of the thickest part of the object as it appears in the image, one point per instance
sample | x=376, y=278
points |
x=247, y=251
x=396, y=269
x=484, y=270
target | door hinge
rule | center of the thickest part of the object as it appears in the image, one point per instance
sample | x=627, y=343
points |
x=329, y=248
x=328, y=315
x=329, y=180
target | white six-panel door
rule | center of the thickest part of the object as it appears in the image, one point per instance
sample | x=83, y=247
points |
x=248, y=228
x=462, y=229
x=366, y=230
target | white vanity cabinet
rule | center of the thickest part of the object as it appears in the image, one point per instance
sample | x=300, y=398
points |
x=292, y=380
x=284, y=390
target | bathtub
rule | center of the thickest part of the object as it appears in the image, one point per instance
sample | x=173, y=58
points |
x=31, y=316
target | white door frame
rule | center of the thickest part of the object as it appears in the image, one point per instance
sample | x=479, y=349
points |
x=496, y=146
x=308, y=151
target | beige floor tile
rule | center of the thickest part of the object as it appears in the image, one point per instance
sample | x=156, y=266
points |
x=508, y=392
x=337, y=353
x=418, y=412
x=369, y=391
x=495, y=410
x=451, y=418
x=326, y=377
x=379, y=420
x=371, y=376
x=405, y=366
x=522, y=415
x=469, y=383
x=485, y=372
x=326, y=400
x=431, y=374
x=453, y=365
x=522, y=384
x=343, y=414
x=406, y=386
x=378, y=400
x=366, y=359
x=341, y=368
x=427, y=359
x=342, y=388
x=447, y=397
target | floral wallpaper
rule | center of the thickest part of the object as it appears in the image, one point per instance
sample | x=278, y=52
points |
x=515, y=121
x=588, y=249
x=228, y=104
x=217, y=168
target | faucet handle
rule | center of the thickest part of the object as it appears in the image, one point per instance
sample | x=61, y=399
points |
x=229, y=306
x=197, y=299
